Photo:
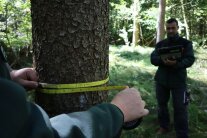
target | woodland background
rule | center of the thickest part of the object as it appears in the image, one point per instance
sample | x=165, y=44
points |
x=134, y=28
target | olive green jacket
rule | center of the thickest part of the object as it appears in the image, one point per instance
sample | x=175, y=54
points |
x=173, y=76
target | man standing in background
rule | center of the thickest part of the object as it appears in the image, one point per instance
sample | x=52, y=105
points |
x=171, y=78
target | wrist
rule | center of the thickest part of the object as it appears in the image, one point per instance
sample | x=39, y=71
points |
x=122, y=114
x=121, y=109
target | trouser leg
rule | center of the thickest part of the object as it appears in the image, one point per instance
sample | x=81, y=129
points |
x=180, y=112
x=163, y=95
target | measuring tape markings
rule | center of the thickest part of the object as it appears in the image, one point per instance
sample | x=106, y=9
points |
x=77, y=87
x=88, y=89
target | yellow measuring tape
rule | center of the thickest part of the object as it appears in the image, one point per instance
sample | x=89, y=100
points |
x=77, y=87
x=75, y=90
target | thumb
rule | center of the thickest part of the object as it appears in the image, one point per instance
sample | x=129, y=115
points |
x=145, y=112
x=29, y=84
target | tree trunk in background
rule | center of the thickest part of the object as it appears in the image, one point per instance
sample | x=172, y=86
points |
x=202, y=27
x=70, y=43
x=136, y=25
x=161, y=21
x=185, y=20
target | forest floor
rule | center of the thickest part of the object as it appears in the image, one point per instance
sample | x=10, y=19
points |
x=131, y=66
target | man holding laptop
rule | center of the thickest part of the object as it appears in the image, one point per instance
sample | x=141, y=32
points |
x=172, y=56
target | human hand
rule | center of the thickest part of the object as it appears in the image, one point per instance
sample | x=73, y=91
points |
x=27, y=77
x=169, y=62
x=131, y=104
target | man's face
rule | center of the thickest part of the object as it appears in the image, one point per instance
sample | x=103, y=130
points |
x=171, y=29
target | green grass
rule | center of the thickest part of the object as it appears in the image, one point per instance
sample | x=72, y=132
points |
x=131, y=66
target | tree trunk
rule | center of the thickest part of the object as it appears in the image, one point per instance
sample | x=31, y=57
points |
x=136, y=25
x=185, y=20
x=70, y=43
x=161, y=21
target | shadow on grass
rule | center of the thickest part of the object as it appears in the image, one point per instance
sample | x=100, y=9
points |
x=135, y=56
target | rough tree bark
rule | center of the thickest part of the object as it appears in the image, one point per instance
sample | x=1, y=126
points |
x=70, y=43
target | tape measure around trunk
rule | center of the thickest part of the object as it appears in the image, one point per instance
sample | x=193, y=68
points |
x=77, y=87
x=78, y=90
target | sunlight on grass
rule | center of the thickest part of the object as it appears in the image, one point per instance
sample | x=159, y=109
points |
x=137, y=57
x=131, y=66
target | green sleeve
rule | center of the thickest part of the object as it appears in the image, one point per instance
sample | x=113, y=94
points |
x=100, y=121
x=22, y=119
x=155, y=57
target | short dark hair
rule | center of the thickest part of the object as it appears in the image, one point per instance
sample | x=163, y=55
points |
x=171, y=20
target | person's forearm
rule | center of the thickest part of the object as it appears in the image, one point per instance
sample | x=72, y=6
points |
x=185, y=63
x=188, y=58
x=102, y=121
x=155, y=59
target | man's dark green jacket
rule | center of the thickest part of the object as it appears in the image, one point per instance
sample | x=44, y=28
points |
x=173, y=76
x=22, y=119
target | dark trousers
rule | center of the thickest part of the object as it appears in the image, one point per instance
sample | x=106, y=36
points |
x=179, y=105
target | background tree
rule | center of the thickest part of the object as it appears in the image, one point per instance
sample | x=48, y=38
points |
x=185, y=19
x=161, y=21
x=70, y=44
x=136, y=25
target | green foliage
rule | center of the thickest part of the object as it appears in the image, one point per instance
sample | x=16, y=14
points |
x=196, y=14
x=15, y=23
x=120, y=18
x=131, y=66
x=15, y=31
x=148, y=22
x=15, y=20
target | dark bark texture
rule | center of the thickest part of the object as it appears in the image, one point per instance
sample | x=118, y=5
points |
x=70, y=44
